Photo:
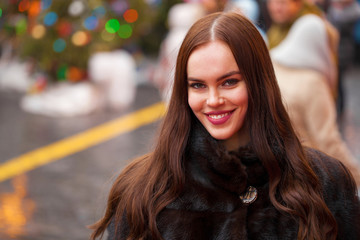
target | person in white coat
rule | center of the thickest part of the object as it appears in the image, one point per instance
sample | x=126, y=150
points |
x=304, y=68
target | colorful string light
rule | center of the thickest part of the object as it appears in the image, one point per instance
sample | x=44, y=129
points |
x=130, y=15
x=59, y=45
x=76, y=8
x=125, y=31
x=91, y=23
x=34, y=9
x=21, y=26
x=45, y=4
x=80, y=38
x=99, y=11
x=158, y=2
x=74, y=74
x=119, y=7
x=106, y=36
x=24, y=5
x=50, y=18
x=91, y=14
x=64, y=28
x=112, y=26
x=61, y=72
x=38, y=31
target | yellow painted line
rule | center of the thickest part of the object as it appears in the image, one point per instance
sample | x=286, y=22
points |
x=81, y=141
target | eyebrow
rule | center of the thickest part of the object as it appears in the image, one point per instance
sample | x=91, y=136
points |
x=219, y=78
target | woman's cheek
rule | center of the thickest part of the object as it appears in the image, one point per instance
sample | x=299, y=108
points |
x=194, y=101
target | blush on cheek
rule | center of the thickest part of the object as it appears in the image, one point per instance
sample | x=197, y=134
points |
x=194, y=102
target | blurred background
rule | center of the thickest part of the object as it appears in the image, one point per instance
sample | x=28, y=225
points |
x=83, y=85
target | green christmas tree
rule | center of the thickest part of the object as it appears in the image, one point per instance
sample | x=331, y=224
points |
x=59, y=36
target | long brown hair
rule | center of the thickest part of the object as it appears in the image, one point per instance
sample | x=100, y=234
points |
x=151, y=182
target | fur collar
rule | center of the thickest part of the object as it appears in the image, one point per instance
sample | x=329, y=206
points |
x=215, y=176
x=232, y=170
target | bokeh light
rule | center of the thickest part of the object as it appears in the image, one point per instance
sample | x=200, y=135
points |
x=76, y=8
x=99, y=11
x=16, y=208
x=21, y=26
x=50, y=18
x=112, y=26
x=34, y=9
x=158, y=2
x=91, y=23
x=24, y=5
x=59, y=45
x=119, y=7
x=125, y=31
x=74, y=74
x=38, y=31
x=45, y=4
x=39, y=84
x=131, y=15
x=64, y=28
x=61, y=72
x=106, y=36
x=357, y=32
x=80, y=38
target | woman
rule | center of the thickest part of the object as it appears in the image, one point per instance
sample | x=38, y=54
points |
x=304, y=66
x=285, y=14
x=227, y=164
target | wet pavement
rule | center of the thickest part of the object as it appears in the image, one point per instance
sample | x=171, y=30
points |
x=58, y=200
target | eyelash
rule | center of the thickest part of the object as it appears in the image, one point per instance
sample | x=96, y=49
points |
x=197, y=85
x=231, y=81
x=228, y=82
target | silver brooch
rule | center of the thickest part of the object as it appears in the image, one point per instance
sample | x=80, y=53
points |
x=249, y=196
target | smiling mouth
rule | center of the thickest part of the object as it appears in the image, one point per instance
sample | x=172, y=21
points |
x=219, y=116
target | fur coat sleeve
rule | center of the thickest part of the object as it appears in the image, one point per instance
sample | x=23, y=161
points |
x=339, y=191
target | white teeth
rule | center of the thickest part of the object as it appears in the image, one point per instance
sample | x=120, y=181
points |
x=218, y=116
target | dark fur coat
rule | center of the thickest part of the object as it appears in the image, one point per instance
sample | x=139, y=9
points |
x=210, y=208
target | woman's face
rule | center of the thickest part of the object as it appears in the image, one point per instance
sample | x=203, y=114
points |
x=217, y=93
x=284, y=11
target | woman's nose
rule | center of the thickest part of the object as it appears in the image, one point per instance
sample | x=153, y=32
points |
x=214, y=99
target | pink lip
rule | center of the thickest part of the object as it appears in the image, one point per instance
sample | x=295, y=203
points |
x=220, y=120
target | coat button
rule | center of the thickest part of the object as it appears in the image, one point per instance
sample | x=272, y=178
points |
x=249, y=196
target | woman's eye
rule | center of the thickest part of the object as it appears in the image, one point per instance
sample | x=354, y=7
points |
x=231, y=82
x=197, y=85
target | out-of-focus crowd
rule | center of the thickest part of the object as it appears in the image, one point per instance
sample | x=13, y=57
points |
x=311, y=43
